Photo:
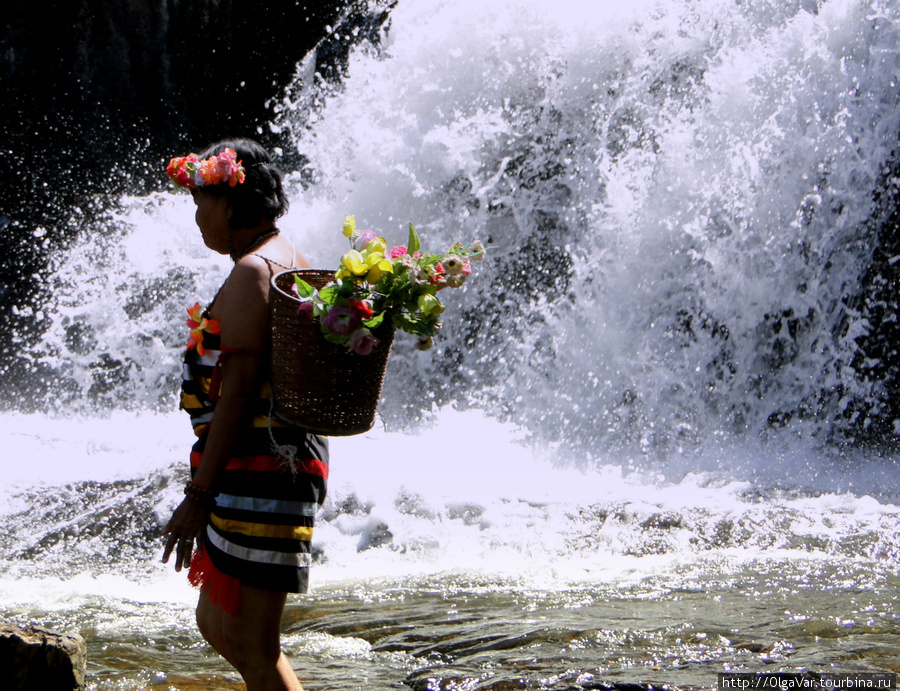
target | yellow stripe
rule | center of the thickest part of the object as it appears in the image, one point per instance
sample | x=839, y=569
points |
x=263, y=421
x=189, y=400
x=262, y=529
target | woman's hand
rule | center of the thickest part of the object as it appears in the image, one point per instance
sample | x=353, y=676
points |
x=187, y=523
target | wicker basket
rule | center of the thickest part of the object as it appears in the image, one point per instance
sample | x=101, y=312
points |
x=316, y=384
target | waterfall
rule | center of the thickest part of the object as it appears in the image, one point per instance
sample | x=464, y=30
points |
x=681, y=199
x=681, y=196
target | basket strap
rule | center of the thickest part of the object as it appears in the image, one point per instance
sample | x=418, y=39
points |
x=272, y=261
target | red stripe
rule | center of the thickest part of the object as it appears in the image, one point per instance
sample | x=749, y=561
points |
x=311, y=466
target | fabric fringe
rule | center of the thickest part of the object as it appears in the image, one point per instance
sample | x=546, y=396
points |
x=223, y=590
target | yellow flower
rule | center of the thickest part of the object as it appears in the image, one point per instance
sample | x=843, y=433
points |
x=349, y=226
x=378, y=266
x=371, y=265
x=429, y=305
x=354, y=263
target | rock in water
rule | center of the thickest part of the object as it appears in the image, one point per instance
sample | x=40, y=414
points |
x=34, y=659
x=375, y=534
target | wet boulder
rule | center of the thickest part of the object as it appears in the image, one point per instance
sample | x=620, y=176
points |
x=35, y=659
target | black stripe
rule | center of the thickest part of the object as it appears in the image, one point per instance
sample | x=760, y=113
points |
x=284, y=579
x=265, y=517
x=272, y=485
x=256, y=441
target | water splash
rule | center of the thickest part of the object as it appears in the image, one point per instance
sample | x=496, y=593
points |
x=681, y=198
x=681, y=195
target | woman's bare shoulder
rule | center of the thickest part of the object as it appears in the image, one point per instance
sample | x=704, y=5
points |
x=249, y=277
x=243, y=308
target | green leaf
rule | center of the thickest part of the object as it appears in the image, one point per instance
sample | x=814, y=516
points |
x=375, y=321
x=304, y=289
x=334, y=338
x=329, y=293
x=413, y=245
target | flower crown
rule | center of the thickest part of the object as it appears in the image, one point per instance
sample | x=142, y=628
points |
x=190, y=172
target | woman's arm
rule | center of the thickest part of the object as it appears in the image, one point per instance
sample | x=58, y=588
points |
x=243, y=314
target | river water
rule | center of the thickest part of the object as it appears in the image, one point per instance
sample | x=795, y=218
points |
x=629, y=459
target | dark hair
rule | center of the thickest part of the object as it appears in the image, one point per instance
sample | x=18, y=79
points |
x=261, y=195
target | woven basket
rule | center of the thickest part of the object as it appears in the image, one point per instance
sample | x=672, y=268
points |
x=319, y=385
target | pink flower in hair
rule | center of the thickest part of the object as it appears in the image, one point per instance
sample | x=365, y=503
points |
x=181, y=170
x=231, y=169
x=190, y=172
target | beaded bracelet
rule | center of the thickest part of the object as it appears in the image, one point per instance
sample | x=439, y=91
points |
x=200, y=494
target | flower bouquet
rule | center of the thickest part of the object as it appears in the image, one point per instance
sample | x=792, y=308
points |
x=332, y=331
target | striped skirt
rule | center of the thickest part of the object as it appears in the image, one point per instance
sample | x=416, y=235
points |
x=260, y=530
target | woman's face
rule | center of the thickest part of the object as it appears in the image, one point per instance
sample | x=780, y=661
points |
x=213, y=213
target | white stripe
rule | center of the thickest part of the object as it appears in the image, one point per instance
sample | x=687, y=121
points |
x=293, y=508
x=186, y=372
x=262, y=556
x=210, y=358
x=201, y=419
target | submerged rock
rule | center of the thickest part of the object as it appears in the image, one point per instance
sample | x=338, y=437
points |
x=375, y=534
x=35, y=659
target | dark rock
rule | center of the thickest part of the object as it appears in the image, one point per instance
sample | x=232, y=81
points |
x=375, y=534
x=97, y=94
x=35, y=659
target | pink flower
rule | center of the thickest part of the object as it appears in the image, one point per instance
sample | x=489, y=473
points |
x=190, y=172
x=230, y=168
x=439, y=280
x=362, y=342
x=365, y=238
x=185, y=179
x=342, y=321
x=398, y=251
x=305, y=312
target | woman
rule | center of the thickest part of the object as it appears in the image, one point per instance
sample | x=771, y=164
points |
x=249, y=508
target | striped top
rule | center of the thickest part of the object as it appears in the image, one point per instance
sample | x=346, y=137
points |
x=198, y=377
x=261, y=528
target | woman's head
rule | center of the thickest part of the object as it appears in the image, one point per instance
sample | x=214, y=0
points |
x=260, y=197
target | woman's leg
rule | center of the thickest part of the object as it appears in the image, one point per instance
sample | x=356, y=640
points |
x=210, y=621
x=251, y=641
